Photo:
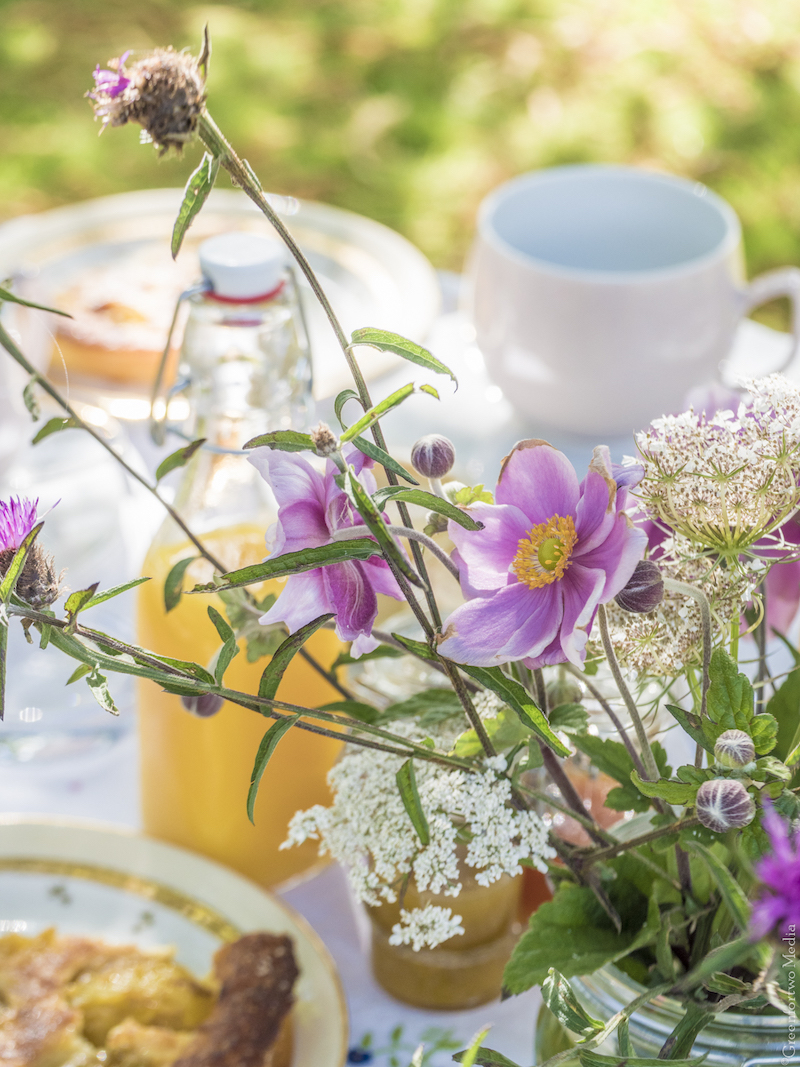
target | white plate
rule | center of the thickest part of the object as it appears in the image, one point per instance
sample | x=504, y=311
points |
x=371, y=275
x=105, y=882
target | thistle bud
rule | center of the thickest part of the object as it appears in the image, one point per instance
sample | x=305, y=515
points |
x=564, y=691
x=38, y=584
x=433, y=456
x=203, y=706
x=324, y=440
x=734, y=749
x=724, y=804
x=645, y=589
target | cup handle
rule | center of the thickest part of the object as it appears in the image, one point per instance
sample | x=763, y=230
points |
x=768, y=286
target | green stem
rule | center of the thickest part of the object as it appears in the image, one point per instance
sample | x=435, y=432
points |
x=469, y=708
x=604, y=704
x=734, y=648
x=599, y=855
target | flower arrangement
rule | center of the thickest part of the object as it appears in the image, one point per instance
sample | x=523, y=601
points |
x=638, y=576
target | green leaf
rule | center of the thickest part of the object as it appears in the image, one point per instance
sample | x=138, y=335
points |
x=429, y=708
x=243, y=614
x=80, y=598
x=15, y=567
x=680, y=1041
x=472, y=494
x=55, y=426
x=306, y=559
x=377, y=411
x=669, y=790
x=79, y=672
x=784, y=706
x=179, y=458
x=519, y=700
x=229, y=646
x=355, y=709
x=732, y=893
x=9, y=297
x=283, y=441
x=343, y=398
x=486, y=1057
x=469, y=1057
x=691, y=725
x=269, y=742
x=29, y=399
x=572, y=718
x=612, y=758
x=409, y=794
x=362, y=502
x=115, y=590
x=344, y=659
x=173, y=584
x=559, y=997
x=387, y=341
x=725, y=958
x=594, y=1059
x=385, y=460
x=429, y=501
x=504, y=731
x=99, y=686
x=200, y=184
x=731, y=705
x=283, y=656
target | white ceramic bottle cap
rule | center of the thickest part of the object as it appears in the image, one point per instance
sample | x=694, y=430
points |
x=242, y=265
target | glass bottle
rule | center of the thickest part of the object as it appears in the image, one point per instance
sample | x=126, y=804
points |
x=247, y=370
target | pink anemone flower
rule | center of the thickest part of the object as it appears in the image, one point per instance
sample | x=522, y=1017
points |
x=551, y=550
x=311, y=508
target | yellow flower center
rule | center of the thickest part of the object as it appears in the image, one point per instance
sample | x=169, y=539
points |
x=544, y=555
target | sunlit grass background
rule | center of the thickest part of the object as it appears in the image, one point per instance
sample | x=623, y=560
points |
x=410, y=110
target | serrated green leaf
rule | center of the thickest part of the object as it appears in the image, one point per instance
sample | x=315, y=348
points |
x=29, y=399
x=731, y=705
x=569, y=717
x=386, y=341
x=665, y=788
x=115, y=590
x=284, y=654
x=560, y=998
x=229, y=649
x=55, y=425
x=409, y=794
x=79, y=672
x=179, y=458
x=173, y=584
x=362, y=503
x=306, y=559
x=98, y=684
x=269, y=743
x=17, y=564
x=282, y=441
x=377, y=411
x=426, y=500
x=199, y=185
x=9, y=297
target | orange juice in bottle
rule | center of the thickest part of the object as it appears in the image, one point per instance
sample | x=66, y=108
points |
x=248, y=372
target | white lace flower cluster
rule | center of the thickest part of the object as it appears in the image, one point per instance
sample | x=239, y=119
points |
x=367, y=829
x=428, y=926
x=727, y=480
x=488, y=704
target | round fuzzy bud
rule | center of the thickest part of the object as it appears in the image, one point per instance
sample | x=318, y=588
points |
x=734, y=749
x=433, y=456
x=645, y=590
x=724, y=804
x=564, y=691
x=203, y=706
x=324, y=440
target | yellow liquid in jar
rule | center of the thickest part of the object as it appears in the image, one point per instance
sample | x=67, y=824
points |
x=195, y=773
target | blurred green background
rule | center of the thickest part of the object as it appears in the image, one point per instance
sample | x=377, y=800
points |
x=411, y=110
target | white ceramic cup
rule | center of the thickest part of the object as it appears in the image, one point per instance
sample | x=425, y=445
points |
x=601, y=295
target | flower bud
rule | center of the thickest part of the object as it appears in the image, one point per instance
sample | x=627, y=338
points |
x=433, y=456
x=324, y=440
x=38, y=584
x=564, y=691
x=724, y=804
x=734, y=749
x=645, y=589
x=203, y=706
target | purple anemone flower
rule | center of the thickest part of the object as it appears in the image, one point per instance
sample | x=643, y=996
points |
x=111, y=82
x=777, y=910
x=17, y=519
x=311, y=509
x=552, y=549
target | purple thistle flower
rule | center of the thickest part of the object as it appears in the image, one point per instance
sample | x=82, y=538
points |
x=17, y=519
x=110, y=83
x=552, y=549
x=312, y=508
x=777, y=910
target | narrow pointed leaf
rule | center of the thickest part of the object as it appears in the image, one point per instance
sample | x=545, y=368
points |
x=283, y=441
x=486, y=1057
x=469, y=1057
x=282, y=657
x=179, y=458
x=229, y=646
x=594, y=1059
x=9, y=297
x=99, y=686
x=78, y=600
x=30, y=400
x=195, y=195
x=732, y=892
x=269, y=743
x=306, y=559
x=429, y=501
x=387, y=341
x=79, y=672
x=173, y=584
x=362, y=502
x=8, y=584
x=382, y=457
x=560, y=998
x=679, y=1043
x=55, y=426
x=409, y=794
x=343, y=398
x=369, y=418
x=115, y=590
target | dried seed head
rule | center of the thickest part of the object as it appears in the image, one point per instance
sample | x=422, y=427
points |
x=645, y=590
x=325, y=440
x=38, y=584
x=734, y=749
x=433, y=456
x=724, y=804
x=164, y=92
x=203, y=706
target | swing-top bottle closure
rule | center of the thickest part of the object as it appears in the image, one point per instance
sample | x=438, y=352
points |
x=242, y=268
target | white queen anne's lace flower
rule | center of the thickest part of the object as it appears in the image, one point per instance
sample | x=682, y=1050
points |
x=367, y=828
x=428, y=926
